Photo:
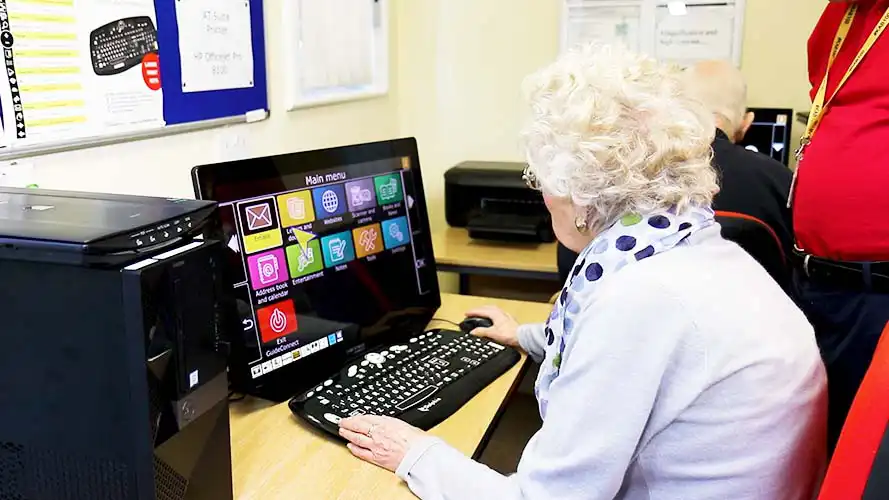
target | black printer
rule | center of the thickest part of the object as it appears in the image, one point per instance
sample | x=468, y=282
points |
x=491, y=200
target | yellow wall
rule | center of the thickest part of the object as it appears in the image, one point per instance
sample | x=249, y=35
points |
x=461, y=66
x=774, y=53
x=462, y=62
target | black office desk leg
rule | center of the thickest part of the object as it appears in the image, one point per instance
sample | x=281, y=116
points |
x=463, y=286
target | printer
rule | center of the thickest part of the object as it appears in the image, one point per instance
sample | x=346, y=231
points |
x=491, y=200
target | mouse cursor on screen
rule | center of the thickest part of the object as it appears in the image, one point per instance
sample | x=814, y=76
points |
x=303, y=238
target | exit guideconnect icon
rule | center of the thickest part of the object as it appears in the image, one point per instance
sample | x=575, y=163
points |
x=276, y=320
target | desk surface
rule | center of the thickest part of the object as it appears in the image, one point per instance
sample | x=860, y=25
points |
x=274, y=455
x=454, y=249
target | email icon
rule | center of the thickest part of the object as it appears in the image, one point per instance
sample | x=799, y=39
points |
x=259, y=216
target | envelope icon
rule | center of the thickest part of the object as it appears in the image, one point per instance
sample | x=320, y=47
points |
x=259, y=216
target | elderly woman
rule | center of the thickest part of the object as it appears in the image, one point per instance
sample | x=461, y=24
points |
x=673, y=367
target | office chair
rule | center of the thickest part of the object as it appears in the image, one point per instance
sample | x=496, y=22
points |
x=859, y=468
x=760, y=241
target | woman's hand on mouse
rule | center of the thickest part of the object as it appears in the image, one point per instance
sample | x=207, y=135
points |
x=505, y=329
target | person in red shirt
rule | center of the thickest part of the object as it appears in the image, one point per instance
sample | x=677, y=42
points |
x=840, y=197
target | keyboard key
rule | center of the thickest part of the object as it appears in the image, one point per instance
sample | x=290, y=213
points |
x=417, y=398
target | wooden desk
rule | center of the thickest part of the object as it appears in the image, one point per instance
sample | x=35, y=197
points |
x=274, y=455
x=456, y=252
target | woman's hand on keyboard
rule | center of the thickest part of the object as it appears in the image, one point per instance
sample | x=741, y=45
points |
x=383, y=441
x=504, y=331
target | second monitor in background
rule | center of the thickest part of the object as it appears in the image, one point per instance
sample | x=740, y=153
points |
x=770, y=133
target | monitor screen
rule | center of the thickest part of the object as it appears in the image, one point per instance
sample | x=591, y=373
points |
x=770, y=133
x=330, y=254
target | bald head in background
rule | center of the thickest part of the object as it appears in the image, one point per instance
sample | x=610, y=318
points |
x=720, y=86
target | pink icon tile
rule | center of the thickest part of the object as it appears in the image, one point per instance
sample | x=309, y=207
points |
x=267, y=269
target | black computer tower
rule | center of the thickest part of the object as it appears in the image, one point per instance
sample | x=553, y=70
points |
x=111, y=386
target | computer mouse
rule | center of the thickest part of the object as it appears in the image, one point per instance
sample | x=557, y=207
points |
x=471, y=323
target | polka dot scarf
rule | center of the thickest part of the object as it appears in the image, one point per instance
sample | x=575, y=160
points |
x=632, y=238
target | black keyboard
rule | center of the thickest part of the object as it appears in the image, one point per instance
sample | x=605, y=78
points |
x=422, y=381
x=120, y=45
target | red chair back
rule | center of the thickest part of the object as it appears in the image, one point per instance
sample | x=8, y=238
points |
x=859, y=468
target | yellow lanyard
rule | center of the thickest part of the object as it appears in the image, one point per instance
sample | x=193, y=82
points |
x=818, y=103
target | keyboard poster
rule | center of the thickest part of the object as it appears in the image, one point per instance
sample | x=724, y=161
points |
x=88, y=68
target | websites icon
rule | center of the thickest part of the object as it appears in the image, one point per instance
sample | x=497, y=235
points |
x=337, y=249
x=330, y=200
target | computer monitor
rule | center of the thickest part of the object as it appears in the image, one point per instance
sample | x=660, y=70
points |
x=330, y=255
x=770, y=133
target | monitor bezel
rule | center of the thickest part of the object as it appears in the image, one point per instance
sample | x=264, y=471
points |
x=284, y=383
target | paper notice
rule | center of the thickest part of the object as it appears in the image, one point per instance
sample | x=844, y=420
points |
x=605, y=25
x=335, y=42
x=43, y=91
x=705, y=32
x=122, y=68
x=215, y=44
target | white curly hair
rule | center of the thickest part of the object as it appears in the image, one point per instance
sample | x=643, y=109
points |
x=614, y=131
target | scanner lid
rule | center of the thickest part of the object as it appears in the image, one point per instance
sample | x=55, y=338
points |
x=94, y=222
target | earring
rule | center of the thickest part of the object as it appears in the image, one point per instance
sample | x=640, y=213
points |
x=580, y=223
